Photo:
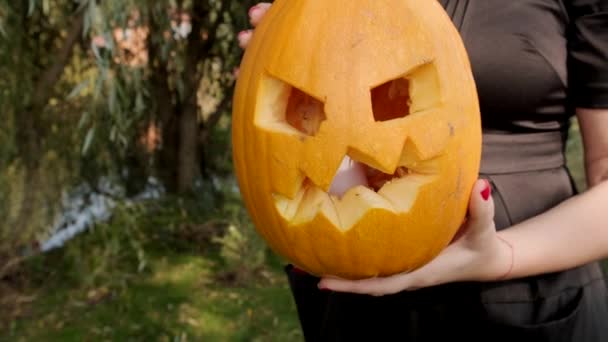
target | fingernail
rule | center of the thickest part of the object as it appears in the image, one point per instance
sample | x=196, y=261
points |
x=487, y=190
x=252, y=9
x=242, y=37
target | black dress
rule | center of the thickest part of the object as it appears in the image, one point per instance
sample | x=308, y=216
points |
x=534, y=61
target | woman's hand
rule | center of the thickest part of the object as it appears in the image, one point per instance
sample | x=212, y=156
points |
x=477, y=253
x=255, y=16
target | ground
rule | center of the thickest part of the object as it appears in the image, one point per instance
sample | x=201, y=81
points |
x=179, y=299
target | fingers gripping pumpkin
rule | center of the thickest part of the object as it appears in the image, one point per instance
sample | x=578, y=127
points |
x=386, y=84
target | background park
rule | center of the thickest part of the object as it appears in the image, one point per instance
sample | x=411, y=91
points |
x=120, y=217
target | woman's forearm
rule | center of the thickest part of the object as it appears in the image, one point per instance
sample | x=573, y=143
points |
x=571, y=234
x=576, y=231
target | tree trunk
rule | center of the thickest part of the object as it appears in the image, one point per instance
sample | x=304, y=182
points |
x=29, y=133
x=30, y=128
x=167, y=155
x=164, y=111
x=188, y=122
x=188, y=167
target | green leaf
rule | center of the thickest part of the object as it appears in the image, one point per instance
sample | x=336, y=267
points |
x=46, y=8
x=95, y=50
x=140, y=105
x=86, y=25
x=78, y=89
x=112, y=108
x=81, y=4
x=84, y=119
x=2, y=31
x=89, y=17
x=113, y=133
x=88, y=140
x=31, y=7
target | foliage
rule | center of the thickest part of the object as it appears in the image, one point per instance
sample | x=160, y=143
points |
x=110, y=252
x=38, y=39
x=118, y=89
x=152, y=272
x=243, y=253
x=574, y=156
x=165, y=74
x=176, y=297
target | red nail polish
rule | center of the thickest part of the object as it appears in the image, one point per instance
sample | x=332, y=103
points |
x=487, y=190
x=253, y=8
x=324, y=289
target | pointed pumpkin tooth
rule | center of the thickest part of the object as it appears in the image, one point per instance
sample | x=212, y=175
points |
x=288, y=208
x=415, y=165
x=355, y=204
x=310, y=205
x=330, y=212
x=397, y=195
x=402, y=192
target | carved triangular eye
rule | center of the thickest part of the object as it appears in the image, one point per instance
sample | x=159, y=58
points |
x=304, y=112
x=417, y=91
x=391, y=100
x=287, y=108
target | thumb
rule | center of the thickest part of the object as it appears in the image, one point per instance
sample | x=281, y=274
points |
x=481, y=205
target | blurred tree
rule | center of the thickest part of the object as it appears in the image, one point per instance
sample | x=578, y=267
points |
x=37, y=43
x=166, y=71
x=91, y=88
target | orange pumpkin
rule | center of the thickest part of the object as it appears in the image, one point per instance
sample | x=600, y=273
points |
x=380, y=91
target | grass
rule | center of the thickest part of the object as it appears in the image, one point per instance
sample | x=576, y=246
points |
x=178, y=300
x=92, y=290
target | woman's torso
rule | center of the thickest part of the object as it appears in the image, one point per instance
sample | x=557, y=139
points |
x=518, y=53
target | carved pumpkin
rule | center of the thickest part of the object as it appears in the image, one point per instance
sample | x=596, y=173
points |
x=378, y=91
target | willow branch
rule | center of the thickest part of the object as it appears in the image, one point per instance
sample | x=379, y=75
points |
x=51, y=76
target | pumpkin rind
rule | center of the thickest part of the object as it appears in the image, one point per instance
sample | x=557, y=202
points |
x=338, y=52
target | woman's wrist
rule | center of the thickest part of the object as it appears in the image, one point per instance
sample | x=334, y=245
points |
x=507, y=258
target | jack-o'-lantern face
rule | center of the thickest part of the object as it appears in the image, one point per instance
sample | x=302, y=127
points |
x=384, y=83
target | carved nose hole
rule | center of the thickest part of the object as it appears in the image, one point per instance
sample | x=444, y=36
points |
x=304, y=112
x=391, y=100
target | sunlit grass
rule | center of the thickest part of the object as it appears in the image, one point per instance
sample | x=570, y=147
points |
x=177, y=301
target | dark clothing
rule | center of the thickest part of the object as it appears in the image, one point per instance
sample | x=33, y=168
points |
x=533, y=62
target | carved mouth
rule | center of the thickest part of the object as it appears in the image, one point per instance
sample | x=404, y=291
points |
x=356, y=189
